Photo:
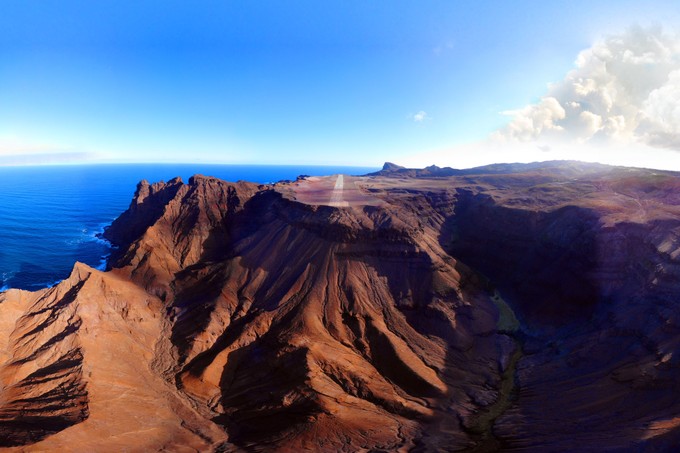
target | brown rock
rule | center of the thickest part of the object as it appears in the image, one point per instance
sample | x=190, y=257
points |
x=362, y=313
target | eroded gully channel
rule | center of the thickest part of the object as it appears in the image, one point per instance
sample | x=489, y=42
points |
x=480, y=426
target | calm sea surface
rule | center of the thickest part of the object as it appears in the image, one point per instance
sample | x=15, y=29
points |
x=50, y=215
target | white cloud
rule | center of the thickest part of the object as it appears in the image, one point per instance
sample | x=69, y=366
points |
x=624, y=90
x=532, y=121
x=661, y=111
x=420, y=116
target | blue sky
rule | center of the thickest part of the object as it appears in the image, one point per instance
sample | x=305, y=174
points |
x=337, y=82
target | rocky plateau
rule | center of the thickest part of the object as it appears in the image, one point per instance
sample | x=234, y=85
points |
x=515, y=307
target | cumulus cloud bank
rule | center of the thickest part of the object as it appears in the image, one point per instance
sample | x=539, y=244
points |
x=625, y=89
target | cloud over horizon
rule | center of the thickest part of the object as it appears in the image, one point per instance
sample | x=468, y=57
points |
x=21, y=151
x=44, y=158
x=625, y=89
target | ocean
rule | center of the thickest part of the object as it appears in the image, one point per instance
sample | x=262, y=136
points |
x=50, y=216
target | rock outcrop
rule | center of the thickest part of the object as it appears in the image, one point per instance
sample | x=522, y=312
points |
x=83, y=371
x=517, y=307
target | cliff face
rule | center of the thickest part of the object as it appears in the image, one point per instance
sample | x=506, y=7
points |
x=304, y=323
x=82, y=370
x=237, y=316
x=600, y=317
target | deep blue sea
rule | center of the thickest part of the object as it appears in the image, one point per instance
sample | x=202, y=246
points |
x=50, y=215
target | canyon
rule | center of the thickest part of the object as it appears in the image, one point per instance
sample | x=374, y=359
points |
x=514, y=307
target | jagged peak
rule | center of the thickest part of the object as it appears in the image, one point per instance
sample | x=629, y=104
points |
x=199, y=178
x=389, y=166
x=80, y=272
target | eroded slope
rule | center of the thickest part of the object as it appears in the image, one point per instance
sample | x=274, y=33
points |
x=350, y=327
x=238, y=316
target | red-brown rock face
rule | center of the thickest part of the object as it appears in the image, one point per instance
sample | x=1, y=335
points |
x=304, y=324
x=238, y=316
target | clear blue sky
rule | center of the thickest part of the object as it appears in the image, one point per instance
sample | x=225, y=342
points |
x=321, y=82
